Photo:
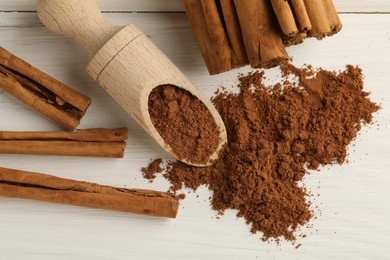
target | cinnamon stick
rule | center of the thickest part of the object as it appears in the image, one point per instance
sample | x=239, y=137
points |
x=292, y=33
x=212, y=42
x=234, y=31
x=92, y=142
x=216, y=28
x=41, y=92
x=301, y=15
x=91, y=135
x=293, y=20
x=36, y=186
x=218, y=35
x=319, y=18
x=334, y=19
x=285, y=17
x=262, y=39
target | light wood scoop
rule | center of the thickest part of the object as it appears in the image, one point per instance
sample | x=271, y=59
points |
x=123, y=61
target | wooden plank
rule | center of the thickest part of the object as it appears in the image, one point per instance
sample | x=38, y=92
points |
x=361, y=6
x=355, y=213
x=176, y=5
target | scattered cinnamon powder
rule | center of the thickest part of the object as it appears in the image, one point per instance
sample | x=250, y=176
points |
x=153, y=168
x=275, y=134
x=184, y=123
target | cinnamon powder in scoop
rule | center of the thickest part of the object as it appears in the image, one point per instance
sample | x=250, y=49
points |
x=275, y=134
x=184, y=123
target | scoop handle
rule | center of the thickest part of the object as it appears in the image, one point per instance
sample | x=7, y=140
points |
x=78, y=19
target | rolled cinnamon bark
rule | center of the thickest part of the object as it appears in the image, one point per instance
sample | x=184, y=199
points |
x=91, y=135
x=41, y=92
x=301, y=15
x=262, y=39
x=334, y=19
x=208, y=31
x=65, y=148
x=91, y=142
x=234, y=31
x=218, y=35
x=285, y=17
x=36, y=186
x=319, y=19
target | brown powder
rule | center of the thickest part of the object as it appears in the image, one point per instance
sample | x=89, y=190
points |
x=274, y=134
x=184, y=123
x=153, y=168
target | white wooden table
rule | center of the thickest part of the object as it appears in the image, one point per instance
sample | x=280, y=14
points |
x=354, y=201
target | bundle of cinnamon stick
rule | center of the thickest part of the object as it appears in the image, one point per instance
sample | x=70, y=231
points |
x=234, y=33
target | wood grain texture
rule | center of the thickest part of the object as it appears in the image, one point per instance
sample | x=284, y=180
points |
x=80, y=20
x=176, y=5
x=355, y=214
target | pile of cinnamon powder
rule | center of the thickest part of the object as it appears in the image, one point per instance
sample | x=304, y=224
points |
x=275, y=134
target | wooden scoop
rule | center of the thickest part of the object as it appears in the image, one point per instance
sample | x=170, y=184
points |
x=123, y=61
